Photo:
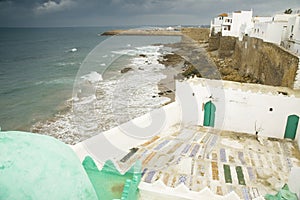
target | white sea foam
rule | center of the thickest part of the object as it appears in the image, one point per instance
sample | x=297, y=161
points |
x=55, y=82
x=108, y=103
x=62, y=64
x=84, y=100
x=92, y=77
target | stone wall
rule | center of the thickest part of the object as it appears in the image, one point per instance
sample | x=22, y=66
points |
x=213, y=43
x=260, y=61
x=269, y=63
x=227, y=46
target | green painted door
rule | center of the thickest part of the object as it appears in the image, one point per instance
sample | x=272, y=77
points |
x=209, y=114
x=291, y=127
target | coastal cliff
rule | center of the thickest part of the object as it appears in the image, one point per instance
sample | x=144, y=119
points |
x=253, y=60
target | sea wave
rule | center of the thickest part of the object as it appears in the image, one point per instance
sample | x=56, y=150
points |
x=100, y=104
x=62, y=64
x=62, y=81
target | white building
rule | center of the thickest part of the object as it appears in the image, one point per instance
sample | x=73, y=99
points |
x=259, y=19
x=248, y=108
x=281, y=29
x=216, y=24
x=271, y=29
x=235, y=24
x=291, y=37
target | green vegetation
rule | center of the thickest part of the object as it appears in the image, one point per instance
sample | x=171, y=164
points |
x=288, y=11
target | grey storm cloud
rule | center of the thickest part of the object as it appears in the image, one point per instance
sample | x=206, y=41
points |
x=128, y=12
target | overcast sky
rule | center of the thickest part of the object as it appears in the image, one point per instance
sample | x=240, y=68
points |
x=128, y=12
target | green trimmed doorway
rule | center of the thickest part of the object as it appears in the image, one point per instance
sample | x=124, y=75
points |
x=291, y=127
x=209, y=114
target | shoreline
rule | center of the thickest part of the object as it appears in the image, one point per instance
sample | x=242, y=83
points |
x=135, y=32
x=175, y=65
x=60, y=125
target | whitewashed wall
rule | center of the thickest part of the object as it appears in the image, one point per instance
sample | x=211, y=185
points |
x=298, y=140
x=293, y=182
x=258, y=19
x=238, y=110
x=283, y=17
x=269, y=31
x=158, y=190
x=259, y=30
x=216, y=24
x=294, y=44
x=274, y=32
x=241, y=22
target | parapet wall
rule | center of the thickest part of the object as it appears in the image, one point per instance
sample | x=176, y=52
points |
x=267, y=63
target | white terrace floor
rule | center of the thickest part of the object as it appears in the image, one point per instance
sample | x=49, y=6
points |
x=223, y=161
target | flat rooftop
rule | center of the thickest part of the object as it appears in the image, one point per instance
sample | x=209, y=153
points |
x=223, y=161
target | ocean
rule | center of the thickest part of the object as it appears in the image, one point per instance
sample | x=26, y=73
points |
x=66, y=82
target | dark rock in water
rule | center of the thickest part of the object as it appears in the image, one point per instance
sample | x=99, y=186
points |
x=153, y=96
x=190, y=70
x=171, y=59
x=126, y=69
x=143, y=55
x=160, y=93
x=169, y=91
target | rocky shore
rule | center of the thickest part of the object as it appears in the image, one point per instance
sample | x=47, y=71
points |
x=248, y=61
x=189, y=58
x=191, y=49
x=229, y=69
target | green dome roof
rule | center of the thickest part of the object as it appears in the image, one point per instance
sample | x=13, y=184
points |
x=39, y=167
